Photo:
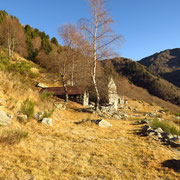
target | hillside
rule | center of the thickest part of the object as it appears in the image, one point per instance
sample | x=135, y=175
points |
x=68, y=150
x=166, y=64
x=143, y=77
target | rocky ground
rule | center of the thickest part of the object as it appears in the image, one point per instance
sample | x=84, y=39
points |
x=72, y=150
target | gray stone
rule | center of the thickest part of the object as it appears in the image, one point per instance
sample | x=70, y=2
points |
x=175, y=138
x=159, y=130
x=104, y=123
x=101, y=123
x=177, y=117
x=150, y=114
x=174, y=144
x=117, y=116
x=152, y=133
x=47, y=121
x=4, y=120
x=159, y=135
x=170, y=136
x=39, y=115
x=162, y=112
x=22, y=117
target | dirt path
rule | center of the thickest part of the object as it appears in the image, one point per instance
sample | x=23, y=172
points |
x=85, y=151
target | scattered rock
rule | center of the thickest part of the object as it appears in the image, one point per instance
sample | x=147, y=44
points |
x=159, y=130
x=47, y=121
x=159, y=134
x=117, y=116
x=101, y=123
x=150, y=114
x=162, y=112
x=22, y=117
x=177, y=117
x=39, y=116
x=4, y=119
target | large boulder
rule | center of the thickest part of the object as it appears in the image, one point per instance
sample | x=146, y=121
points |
x=4, y=119
x=101, y=123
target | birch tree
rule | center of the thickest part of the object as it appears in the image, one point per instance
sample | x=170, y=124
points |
x=67, y=59
x=12, y=36
x=98, y=32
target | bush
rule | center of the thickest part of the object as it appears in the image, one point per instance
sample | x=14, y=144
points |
x=177, y=114
x=47, y=114
x=28, y=108
x=45, y=95
x=11, y=137
x=21, y=67
x=166, y=126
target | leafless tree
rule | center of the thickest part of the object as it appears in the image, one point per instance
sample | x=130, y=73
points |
x=97, y=30
x=12, y=36
x=66, y=59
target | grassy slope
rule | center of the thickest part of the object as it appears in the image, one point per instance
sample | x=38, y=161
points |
x=69, y=151
x=85, y=151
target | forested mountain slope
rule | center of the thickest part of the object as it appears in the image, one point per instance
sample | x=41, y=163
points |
x=166, y=64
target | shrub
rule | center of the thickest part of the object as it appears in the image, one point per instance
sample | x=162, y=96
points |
x=47, y=114
x=177, y=114
x=11, y=137
x=28, y=108
x=21, y=67
x=45, y=95
x=166, y=126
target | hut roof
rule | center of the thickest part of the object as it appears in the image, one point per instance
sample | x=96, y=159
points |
x=72, y=90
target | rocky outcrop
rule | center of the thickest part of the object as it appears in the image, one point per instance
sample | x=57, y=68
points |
x=159, y=134
x=4, y=119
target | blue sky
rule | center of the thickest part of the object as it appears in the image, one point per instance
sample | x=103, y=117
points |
x=148, y=26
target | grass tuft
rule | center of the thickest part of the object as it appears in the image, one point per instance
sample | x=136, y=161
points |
x=45, y=95
x=166, y=126
x=11, y=137
x=28, y=108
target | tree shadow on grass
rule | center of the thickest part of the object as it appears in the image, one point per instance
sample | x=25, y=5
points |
x=172, y=164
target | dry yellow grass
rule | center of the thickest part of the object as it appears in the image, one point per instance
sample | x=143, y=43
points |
x=85, y=151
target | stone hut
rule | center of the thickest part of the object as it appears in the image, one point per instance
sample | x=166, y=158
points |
x=78, y=94
x=113, y=97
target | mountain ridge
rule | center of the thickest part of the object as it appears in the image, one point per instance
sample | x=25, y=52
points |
x=166, y=63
